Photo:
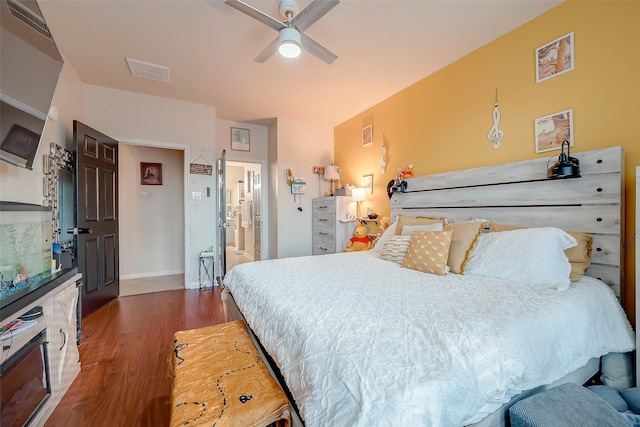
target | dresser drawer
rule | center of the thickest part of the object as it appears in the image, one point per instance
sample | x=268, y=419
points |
x=324, y=233
x=323, y=206
x=324, y=219
x=321, y=247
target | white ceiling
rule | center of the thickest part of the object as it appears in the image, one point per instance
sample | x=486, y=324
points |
x=209, y=47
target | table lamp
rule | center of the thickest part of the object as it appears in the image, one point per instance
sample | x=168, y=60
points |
x=331, y=174
x=357, y=195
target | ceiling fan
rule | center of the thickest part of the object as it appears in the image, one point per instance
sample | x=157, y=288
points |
x=291, y=37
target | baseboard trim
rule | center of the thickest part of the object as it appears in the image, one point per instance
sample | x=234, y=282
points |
x=150, y=274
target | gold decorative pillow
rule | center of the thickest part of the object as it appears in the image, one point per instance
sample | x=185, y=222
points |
x=415, y=220
x=579, y=256
x=395, y=248
x=465, y=236
x=428, y=252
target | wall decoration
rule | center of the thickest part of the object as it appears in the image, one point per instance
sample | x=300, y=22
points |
x=551, y=130
x=240, y=139
x=150, y=173
x=367, y=184
x=554, y=58
x=367, y=135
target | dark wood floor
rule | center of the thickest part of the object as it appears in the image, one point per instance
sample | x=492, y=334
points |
x=124, y=354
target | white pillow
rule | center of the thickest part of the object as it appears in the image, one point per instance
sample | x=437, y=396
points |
x=533, y=256
x=408, y=230
x=388, y=232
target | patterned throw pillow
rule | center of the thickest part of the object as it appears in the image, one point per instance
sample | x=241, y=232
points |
x=465, y=237
x=428, y=252
x=395, y=248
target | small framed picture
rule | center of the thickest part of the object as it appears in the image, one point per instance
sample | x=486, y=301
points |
x=367, y=135
x=150, y=173
x=367, y=184
x=554, y=58
x=551, y=130
x=240, y=139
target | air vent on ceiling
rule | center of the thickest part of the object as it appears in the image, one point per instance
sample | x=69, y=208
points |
x=147, y=70
x=28, y=17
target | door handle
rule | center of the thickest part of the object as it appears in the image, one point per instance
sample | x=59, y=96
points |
x=79, y=230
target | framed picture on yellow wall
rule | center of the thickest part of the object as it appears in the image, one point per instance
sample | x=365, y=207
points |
x=367, y=135
x=554, y=58
x=367, y=184
x=551, y=130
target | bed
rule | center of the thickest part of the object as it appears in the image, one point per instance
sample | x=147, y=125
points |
x=358, y=339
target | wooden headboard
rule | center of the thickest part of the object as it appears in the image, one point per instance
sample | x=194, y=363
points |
x=520, y=194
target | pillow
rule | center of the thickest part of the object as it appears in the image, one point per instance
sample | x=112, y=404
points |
x=611, y=396
x=632, y=397
x=395, y=248
x=579, y=256
x=415, y=220
x=533, y=256
x=390, y=231
x=408, y=230
x=428, y=252
x=465, y=236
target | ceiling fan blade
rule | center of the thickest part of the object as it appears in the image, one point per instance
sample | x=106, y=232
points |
x=268, y=51
x=315, y=48
x=256, y=14
x=314, y=11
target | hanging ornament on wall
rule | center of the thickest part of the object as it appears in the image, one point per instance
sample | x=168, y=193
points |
x=495, y=135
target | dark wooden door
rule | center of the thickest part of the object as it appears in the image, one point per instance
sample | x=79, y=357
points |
x=96, y=244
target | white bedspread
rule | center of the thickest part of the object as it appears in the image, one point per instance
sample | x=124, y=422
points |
x=363, y=342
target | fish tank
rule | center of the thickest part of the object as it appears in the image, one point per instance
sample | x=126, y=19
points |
x=25, y=249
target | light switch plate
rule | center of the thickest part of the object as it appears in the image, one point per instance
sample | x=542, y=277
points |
x=196, y=195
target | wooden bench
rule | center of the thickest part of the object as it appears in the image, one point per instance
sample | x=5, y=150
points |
x=219, y=379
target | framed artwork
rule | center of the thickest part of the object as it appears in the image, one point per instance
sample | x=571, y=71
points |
x=150, y=173
x=551, y=130
x=554, y=58
x=367, y=135
x=367, y=184
x=240, y=139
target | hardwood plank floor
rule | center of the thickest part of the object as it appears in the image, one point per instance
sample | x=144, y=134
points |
x=124, y=353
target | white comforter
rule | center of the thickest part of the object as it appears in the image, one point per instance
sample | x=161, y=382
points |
x=363, y=342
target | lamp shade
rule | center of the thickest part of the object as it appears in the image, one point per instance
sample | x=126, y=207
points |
x=331, y=173
x=357, y=194
x=289, y=43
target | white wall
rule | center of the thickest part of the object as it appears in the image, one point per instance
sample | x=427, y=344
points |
x=300, y=146
x=148, y=120
x=152, y=216
x=22, y=185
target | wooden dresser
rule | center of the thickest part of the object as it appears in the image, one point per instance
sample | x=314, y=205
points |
x=333, y=224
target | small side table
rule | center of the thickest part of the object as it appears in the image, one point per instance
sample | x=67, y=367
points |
x=205, y=274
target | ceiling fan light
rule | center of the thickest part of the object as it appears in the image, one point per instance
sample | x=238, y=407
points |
x=289, y=43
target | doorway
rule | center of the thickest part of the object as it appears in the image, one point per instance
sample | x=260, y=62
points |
x=243, y=231
x=152, y=217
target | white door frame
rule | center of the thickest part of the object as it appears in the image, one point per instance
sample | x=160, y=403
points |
x=185, y=201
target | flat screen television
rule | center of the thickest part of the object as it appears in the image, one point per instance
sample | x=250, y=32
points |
x=30, y=69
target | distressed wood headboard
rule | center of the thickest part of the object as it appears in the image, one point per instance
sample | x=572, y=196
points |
x=520, y=194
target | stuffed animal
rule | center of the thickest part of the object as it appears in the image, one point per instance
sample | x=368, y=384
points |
x=384, y=223
x=360, y=241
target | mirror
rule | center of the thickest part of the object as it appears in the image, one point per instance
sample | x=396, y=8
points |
x=30, y=68
x=59, y=192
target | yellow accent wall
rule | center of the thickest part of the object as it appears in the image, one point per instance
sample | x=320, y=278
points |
x=440, y=123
